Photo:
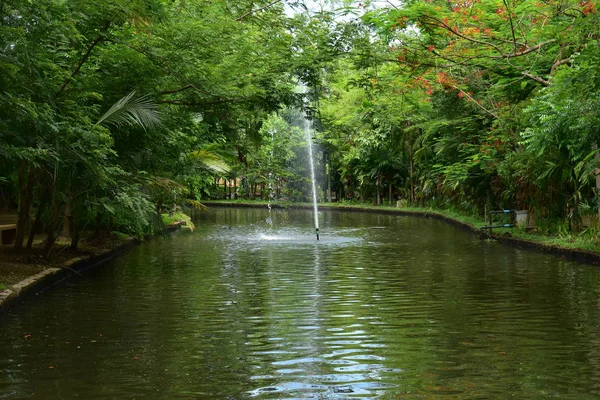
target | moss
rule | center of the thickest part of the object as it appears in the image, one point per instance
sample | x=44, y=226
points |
x=176, y=218
x=121, y=235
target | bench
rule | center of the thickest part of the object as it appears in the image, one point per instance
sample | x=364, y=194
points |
x=8, y=228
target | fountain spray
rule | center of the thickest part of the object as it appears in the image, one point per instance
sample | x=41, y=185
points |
x=270, y=199
x=307, y=128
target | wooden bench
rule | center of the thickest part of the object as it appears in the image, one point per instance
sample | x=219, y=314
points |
x=8, y=228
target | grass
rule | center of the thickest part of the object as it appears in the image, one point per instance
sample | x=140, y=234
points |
x=2, y=286
x=573, y=241
x=240, y=201
x=177, y=217
x=586, y=240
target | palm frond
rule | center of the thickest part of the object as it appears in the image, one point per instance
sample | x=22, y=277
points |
x=133, y=111
x=196, y=204
x=211, y=161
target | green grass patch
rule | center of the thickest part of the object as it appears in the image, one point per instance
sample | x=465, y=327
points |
x=177, y=217
x=574, y=241
x=3, y=286
x=238, y=201
x=121, y=235
x=586, y=240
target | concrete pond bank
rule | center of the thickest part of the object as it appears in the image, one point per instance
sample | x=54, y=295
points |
x=33, y=285
x=579, y=255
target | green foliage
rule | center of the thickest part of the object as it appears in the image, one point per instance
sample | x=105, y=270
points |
x=112, y=111
x=131, y=110
x=127, y=108
x=133, y=212
x=177, y=217
x=478, y=105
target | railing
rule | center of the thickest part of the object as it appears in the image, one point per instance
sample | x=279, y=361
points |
x=505, y=212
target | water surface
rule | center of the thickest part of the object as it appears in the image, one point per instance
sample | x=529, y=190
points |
x=382, y=307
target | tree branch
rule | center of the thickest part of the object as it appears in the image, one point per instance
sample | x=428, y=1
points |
x=536, y=78
x=493, y=114
x=79, y=65
x=511, y=42
x=165, y=67
x=176, y=90
x=457, y=33
x=558, y=63
x=526, y=51
x=257, y=10
x=202, y=104
x=512, y=27
x=559, y=58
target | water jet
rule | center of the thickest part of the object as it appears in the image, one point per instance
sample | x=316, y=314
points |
x=308, y=129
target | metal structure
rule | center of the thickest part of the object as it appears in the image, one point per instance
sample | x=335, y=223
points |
x=505, y=212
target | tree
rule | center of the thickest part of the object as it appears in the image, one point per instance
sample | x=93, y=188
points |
x=197, y=60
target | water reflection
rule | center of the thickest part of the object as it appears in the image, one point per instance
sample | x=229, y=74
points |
x=390, y=307
x=327, y=359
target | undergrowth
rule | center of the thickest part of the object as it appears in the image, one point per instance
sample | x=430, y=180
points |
x=176, y=217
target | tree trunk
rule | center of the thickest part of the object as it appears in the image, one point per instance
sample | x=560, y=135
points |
x=75, y=234
x=26, y=181
x=52, y=226
x=597, y=174
x=37, y=220
x=378, y=190
x=68, y=217
x=411, y=177
x=597, y=171
x=390, y=194
x=328, y=185
x=158, y=215
x=98, y=224
x=234, y=187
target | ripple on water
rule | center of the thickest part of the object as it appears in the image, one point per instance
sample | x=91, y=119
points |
x=259, y=237
x=410, y=309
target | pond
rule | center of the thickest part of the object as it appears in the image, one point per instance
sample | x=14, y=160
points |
x=251, y=306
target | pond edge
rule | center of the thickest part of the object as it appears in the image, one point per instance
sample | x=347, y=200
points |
x=582, y=256
x=34, y=285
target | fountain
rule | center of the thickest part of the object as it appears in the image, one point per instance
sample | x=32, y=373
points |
x=270, y=199
x=308, y=130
